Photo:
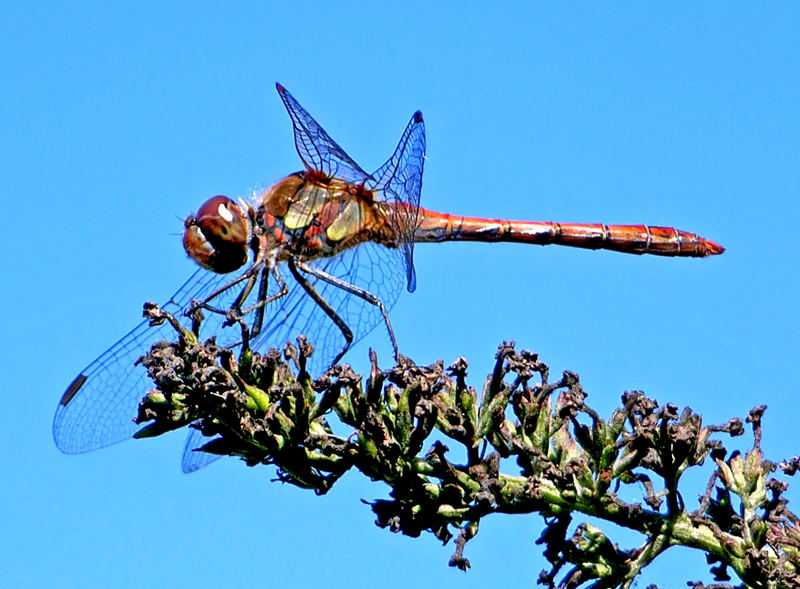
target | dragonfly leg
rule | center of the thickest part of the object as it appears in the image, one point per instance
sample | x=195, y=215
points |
x=236, y=314
x=263, y=286
x=357, y=291
x=233, y=313
x=324, y=305
x=264, y=300
x=196, y=305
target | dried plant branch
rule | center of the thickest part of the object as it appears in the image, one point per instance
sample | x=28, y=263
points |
x=267, y=410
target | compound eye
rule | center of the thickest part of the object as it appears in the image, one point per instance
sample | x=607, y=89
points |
x=221, y=218
x=216, y=238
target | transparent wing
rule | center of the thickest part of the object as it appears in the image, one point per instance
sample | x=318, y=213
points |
x=316, y=148
x=98, y=408
x=400, y=182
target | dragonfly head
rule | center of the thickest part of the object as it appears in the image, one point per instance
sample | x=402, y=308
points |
x=217, y=236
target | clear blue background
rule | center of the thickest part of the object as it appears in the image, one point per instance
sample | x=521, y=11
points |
x=117, y=122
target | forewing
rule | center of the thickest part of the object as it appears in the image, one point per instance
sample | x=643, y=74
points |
x=316, y=148
x=99, y=407
x=400, y=182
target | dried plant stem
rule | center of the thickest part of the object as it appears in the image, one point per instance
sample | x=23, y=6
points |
x=566, y=459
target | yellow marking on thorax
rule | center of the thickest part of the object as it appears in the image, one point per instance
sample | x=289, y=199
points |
x=348, y=222
x=301, y=212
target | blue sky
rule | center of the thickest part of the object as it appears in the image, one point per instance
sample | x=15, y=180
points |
x=116, y=122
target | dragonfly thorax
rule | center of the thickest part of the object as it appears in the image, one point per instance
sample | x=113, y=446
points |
x=217, y=236
x=311, y=216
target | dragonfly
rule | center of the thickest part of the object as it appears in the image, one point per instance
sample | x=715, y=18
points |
x=325, y=251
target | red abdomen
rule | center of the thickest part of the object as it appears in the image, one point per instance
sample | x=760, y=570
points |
x=632, y=239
